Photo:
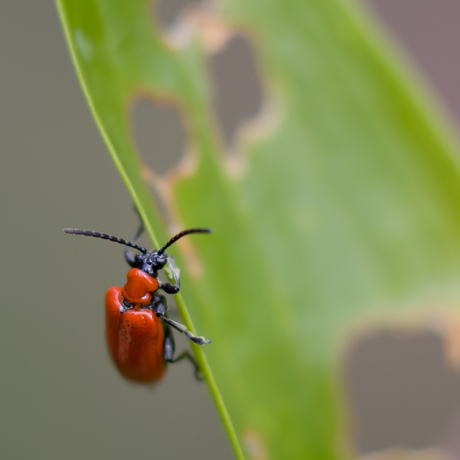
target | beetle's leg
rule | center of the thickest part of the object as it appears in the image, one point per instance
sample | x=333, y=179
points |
x=170, y=288
x=159, y=307
x=129, y=256
x=199, y=340
x=172, y=311
x=187, y=355
x=169, y=347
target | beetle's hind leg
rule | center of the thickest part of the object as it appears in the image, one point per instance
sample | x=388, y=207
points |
x=169, y=347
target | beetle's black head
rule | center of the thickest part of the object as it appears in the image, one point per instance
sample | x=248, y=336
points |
x=151, y=262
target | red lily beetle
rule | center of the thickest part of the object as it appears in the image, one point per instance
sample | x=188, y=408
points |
x=138, y=330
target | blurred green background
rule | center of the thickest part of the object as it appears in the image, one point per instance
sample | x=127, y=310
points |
x=60, y=396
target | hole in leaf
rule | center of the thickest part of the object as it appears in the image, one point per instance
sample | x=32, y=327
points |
x=403, y=392
x=159, y=135
x=169, y=12
x=237, y=87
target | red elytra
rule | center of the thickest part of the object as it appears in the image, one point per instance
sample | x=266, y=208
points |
x=138, y=330
x=135, y=339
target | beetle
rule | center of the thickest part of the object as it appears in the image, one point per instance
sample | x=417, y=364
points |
x=138, y=330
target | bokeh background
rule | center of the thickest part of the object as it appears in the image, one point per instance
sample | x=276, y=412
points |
x=60, y=396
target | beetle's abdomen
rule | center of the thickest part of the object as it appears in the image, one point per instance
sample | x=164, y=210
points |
x=134, y=338
x=139, y=288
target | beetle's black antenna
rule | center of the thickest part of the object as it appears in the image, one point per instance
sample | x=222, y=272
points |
x=104, y=236
x=181, y=234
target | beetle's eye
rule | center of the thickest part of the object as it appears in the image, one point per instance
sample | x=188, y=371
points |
x=161, y=260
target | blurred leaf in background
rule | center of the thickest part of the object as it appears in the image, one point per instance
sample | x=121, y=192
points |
x=338, y=204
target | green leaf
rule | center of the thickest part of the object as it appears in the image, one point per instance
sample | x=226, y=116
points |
x=346, y=209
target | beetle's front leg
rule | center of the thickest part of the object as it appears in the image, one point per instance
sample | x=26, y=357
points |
x=170, y=288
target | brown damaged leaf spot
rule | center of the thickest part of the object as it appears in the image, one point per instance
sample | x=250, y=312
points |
x=192, y=18
x=449, y=327
x=213, y=32
x=252, y=131
x=254, y=445
x=409, y=454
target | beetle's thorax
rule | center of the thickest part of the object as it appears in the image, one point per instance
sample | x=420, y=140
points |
x=139, y=288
